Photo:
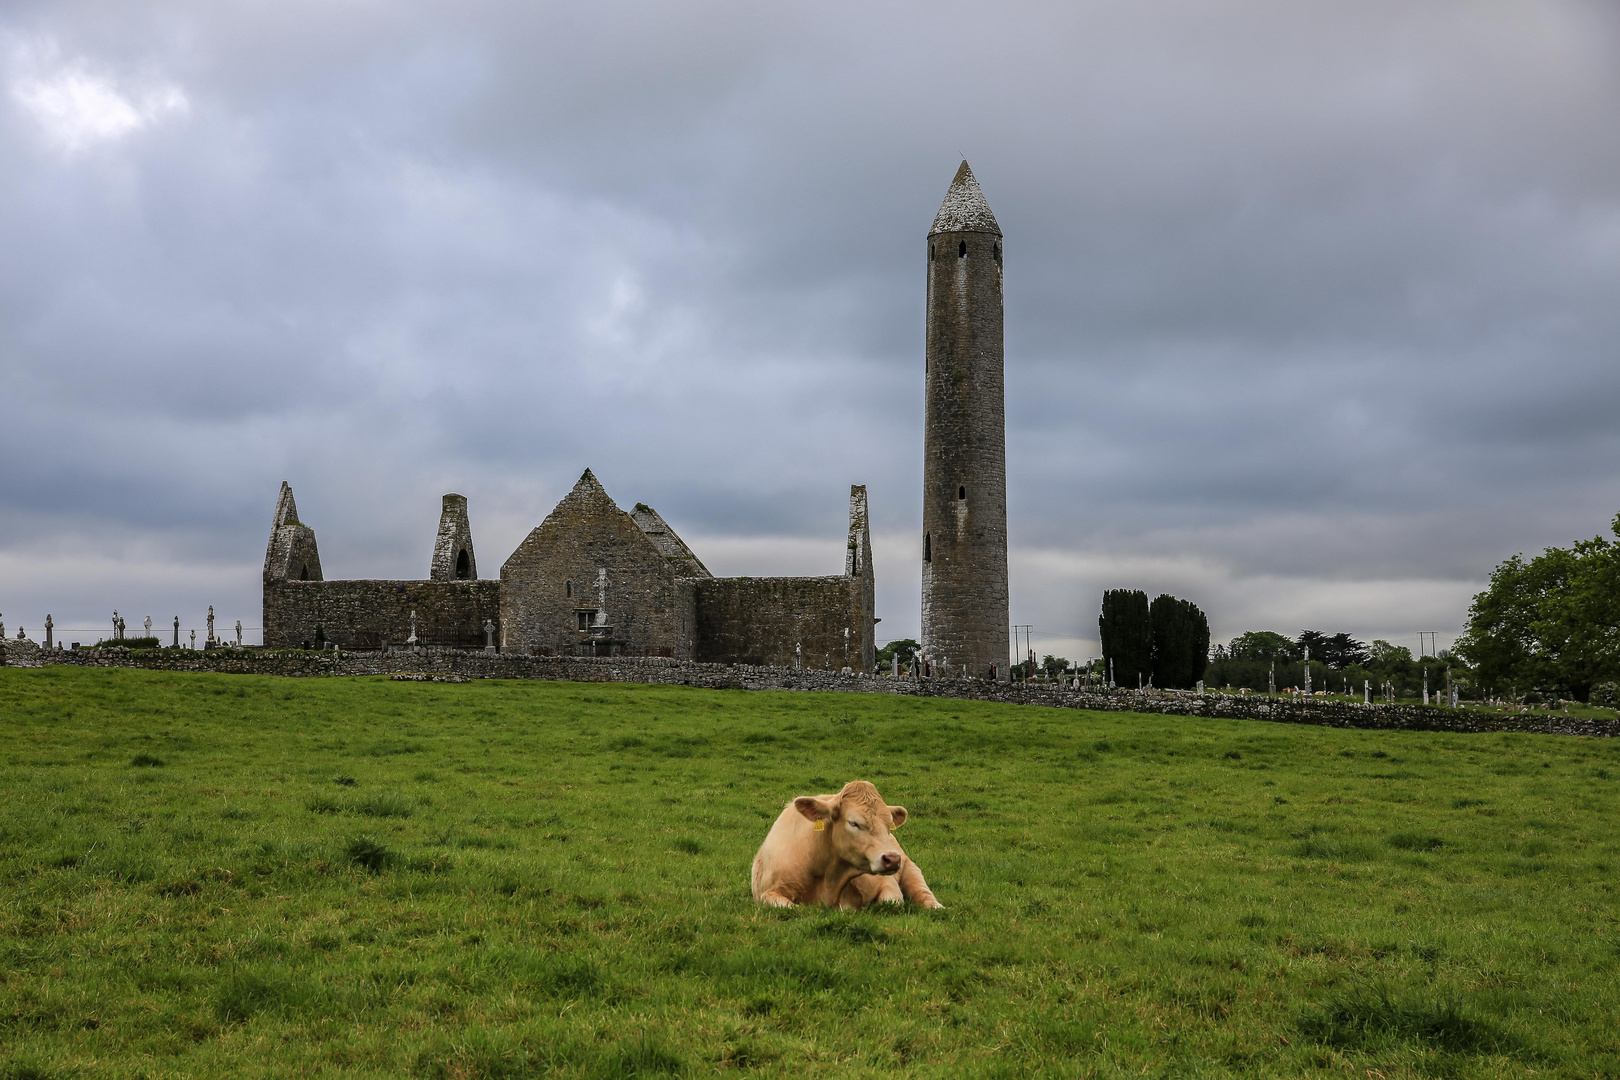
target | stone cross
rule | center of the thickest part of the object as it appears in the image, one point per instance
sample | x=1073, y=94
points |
x=412, y=639
x=798, y=655
x=210, y=624
x=177, y=631
x=49, y=626
x=601, y=596
x=489, y=635
x=194, y=639
x=238, y=633
x=149, y=626
x=118, y=625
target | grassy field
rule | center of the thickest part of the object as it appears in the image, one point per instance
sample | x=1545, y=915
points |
x=219, y=876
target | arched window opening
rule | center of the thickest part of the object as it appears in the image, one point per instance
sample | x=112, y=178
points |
x=961, y=251
x=463, y=565
x=961, y=494
x=928, y=547
x=568, y=588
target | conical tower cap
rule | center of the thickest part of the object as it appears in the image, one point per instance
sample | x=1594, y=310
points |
x=964, y=208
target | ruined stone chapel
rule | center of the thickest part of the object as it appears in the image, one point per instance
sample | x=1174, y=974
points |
x=590, y=580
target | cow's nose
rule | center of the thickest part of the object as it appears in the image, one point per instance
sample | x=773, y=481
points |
x=891, y=861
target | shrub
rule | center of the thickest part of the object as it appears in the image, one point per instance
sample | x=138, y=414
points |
x=1606, y=693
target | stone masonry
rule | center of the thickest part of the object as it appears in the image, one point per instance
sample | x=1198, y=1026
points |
x=589, y=579
x=593, y=580
x=302, y=610
x=453, y=548
x=964, y=570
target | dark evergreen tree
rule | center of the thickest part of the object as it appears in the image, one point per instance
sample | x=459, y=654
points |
x=1180, y=642
x=1127, y=637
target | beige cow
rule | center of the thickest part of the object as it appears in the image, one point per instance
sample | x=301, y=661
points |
x=837, y=851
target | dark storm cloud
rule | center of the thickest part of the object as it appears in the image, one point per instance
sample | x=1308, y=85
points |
x=1310, y=308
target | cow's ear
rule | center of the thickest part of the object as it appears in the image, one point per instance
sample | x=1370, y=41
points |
x=897, y=816
x=812, y=807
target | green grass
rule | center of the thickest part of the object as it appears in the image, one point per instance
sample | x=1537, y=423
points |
x=234, y=876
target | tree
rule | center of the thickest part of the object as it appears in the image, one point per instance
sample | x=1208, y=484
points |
x=1342, y=651
x=1550, y=623
x=1180, y=642
x=1261, y=645
x=1053, y=666
x=1383, y=654
x=1127, y=636
x=1337, y=651
x=904, y=648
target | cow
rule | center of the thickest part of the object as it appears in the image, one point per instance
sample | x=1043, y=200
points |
x=838, y=851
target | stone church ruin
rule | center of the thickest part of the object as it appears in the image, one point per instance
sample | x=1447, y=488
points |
x=590, y=580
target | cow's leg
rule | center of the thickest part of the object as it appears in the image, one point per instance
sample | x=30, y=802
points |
x=776, y=898
x=869, y=889
x=910, y=882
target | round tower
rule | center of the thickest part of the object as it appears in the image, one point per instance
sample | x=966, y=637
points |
x=964, y=572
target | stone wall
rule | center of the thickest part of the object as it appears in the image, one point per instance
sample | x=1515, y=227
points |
x=361, y=614
x=763, y=621
x=479, y=665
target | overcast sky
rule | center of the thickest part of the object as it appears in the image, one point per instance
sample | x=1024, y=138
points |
x=1313, y=309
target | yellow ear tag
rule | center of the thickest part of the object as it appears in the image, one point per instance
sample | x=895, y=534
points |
x=820, y=826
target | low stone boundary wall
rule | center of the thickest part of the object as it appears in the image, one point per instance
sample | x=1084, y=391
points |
x=479, y=665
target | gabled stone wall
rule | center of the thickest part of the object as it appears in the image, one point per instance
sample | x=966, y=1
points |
x=550, y=590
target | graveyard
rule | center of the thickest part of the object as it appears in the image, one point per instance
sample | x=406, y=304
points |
x=211, y=875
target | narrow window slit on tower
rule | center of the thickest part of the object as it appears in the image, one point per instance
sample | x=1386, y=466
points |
x=961, y=252
x=928, y=547
x=961, y=493
x=930, y=252
x=568, y=588
x=995, y=253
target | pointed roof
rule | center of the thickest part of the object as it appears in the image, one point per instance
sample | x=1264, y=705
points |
x=964, y=208
x=286, y=509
